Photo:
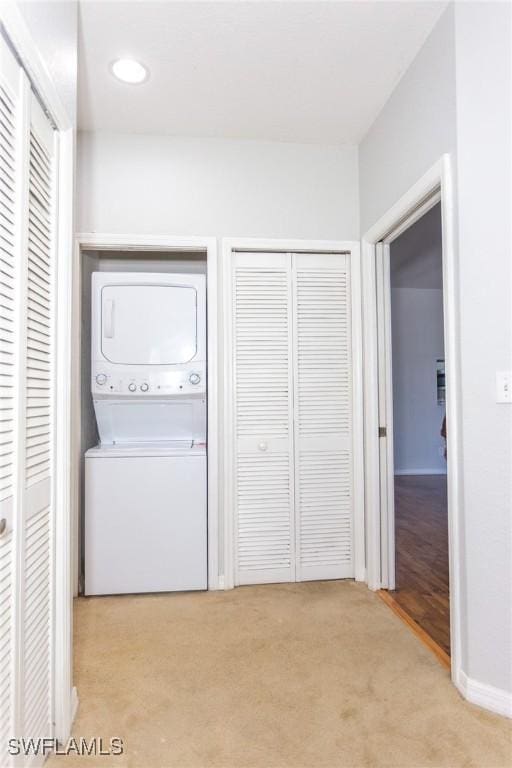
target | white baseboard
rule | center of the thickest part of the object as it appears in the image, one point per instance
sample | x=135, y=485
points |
x=360, y=575
x=485, y=696
x=420, y=471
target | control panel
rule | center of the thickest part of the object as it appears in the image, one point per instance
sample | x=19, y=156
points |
x=131, y=382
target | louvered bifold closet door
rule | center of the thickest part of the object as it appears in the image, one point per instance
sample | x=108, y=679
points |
x=322, y=415
x=38, y=431
x=263, y=421
x=9, y=346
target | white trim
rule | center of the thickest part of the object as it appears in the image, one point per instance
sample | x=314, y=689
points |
x=451, y=313
x=412, y=217
x=383, y=375
x=18, y=33
x=63, y=528
x=371, y=512
x=212, y=268
x=136, y=242
x=423, y=471
x=404, y=210
x=142, y=242
x=423, y=192
x=389, y=454
x=227, y=422
x=357, y=411
x=486, y=696
x=289, y=246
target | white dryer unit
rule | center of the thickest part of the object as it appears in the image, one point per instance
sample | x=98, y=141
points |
x=148, y=356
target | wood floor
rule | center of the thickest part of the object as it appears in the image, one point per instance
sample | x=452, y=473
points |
x=421, y=531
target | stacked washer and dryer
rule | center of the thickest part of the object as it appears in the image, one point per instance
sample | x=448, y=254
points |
x=145, y=483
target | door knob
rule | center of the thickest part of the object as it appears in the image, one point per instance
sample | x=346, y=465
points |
x=262, y=446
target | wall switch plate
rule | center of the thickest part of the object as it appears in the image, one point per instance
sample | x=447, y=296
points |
x=504, y=386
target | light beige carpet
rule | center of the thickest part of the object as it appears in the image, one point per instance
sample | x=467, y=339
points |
x=310, y=675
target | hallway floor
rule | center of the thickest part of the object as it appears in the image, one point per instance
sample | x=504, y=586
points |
x=310, y=675
x=421, y=540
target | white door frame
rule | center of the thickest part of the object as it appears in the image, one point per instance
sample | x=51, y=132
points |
x=385, y=394
x=385, y=363
x=409, y=208
x=291, y=246
x=63, y=693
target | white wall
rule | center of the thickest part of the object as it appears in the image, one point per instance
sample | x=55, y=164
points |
x=415, y=127
x=161, y=184
x=54, y=29
x=484, y=131
x=455, y=98
x=417, y=342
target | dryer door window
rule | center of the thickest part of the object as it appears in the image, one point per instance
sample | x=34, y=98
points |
x=148, y=324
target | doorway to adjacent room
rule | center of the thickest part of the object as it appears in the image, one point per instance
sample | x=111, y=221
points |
x=433, y=189
x=415, y=461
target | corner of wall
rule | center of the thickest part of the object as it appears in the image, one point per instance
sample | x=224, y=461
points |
x=485, y=696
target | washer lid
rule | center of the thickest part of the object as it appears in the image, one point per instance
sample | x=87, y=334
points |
x=137, y=450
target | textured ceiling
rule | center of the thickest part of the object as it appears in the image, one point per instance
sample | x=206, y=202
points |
x=285, y=71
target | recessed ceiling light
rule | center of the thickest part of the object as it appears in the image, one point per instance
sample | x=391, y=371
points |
x=129, y=71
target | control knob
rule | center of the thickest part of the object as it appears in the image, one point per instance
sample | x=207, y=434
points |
x=101, y=379
x=132, y=386
x=144, y=386
x=194, y=378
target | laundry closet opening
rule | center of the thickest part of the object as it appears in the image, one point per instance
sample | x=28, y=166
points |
x=141, y=408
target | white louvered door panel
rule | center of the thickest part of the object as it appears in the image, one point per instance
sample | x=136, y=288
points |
x=8, y=191
x=38, y=430
x=263, y=394
x=9, y=346
x=27, y=330
x=322, y=416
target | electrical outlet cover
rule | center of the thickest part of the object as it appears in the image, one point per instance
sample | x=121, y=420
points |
x=504, y=386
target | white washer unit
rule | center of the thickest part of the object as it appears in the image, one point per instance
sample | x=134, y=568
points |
x=145, y=519
x=145, y=484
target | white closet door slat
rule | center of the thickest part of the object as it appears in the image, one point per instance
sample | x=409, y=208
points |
x=6, y=622
x=263, y=392
x=8, y=98
x=37, y=629
x=323, y=409
x=38, y=429
x=9, y=344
